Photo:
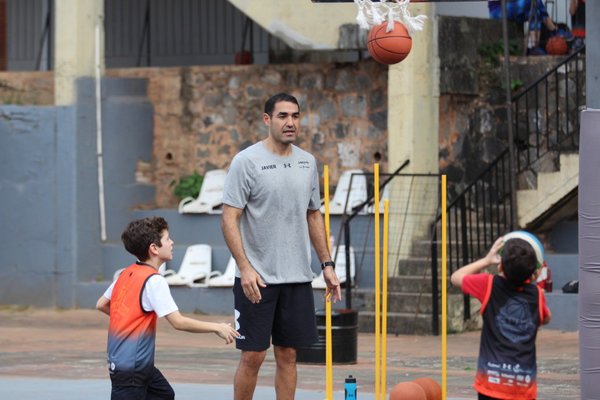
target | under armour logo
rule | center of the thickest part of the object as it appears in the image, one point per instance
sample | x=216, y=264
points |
x=287, y=165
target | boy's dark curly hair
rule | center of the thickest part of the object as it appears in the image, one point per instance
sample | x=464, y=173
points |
x=518, y=261
x=140, y=234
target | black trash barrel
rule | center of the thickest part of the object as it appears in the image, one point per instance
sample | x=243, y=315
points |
x=344, y=327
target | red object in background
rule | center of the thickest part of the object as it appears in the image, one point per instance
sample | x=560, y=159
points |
x=544, y=280
x=243, y=57
x=557, y=46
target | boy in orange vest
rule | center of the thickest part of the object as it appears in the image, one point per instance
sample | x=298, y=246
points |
x=134, y=302
x=512, y=308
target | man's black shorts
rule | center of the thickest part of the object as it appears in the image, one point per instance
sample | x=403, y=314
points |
x=286, y=313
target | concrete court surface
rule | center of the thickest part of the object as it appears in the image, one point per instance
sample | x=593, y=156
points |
x=60, y=355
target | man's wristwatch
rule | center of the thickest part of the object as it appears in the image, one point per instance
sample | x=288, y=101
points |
x=327, y=264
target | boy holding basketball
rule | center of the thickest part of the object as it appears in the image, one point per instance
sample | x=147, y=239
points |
x=512, y=308
x=134, y=302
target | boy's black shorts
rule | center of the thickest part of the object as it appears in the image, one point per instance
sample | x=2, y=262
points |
x=141, y=385
x=286, y=313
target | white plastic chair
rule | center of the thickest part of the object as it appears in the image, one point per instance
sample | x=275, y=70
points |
x=358, y=192
x=195, y=268
x=210, y=197
x=340, y=268
x=161, y=270
x=225, y=279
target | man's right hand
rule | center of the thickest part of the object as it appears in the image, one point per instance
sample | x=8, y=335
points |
x=251, y=284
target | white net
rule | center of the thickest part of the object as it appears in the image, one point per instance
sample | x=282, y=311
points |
x=373, y=13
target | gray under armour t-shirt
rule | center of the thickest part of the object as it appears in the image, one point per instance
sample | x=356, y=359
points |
x=275, y=193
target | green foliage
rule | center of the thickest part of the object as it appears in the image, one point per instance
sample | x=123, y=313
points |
x=516, y=84
x=188, y=186
x=491, y=52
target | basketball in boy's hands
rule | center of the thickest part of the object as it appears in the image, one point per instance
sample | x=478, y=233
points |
x=538, y=248
x=389, y=47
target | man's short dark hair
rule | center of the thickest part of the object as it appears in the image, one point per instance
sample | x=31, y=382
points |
x=518, y=260
x=279, y=97
x=141, y=233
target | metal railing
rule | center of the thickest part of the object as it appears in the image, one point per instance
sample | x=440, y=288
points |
x=547, y=111
x=546, y=121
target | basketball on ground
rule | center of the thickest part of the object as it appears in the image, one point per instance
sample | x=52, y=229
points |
x=432, y=389
x=389, y=47
x=407, y=391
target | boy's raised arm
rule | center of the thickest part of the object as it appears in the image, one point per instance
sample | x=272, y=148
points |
x=477, y=266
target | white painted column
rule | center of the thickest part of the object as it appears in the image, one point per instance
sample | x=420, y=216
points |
x=74, y=45
x=413, y=131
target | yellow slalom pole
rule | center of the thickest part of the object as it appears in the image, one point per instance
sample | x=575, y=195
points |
x=444, y=292
x=386, y=229
x=328, y=343
x=377, y=285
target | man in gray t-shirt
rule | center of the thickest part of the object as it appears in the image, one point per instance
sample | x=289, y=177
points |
x=270, y=217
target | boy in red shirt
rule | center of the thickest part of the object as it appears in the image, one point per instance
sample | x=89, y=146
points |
x=512, y=308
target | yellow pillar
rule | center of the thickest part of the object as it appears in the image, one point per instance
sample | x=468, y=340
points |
x=75, y=24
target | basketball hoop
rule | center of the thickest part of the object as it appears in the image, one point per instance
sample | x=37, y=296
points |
x=372, y=13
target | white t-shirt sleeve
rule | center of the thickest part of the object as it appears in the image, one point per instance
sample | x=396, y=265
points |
x=108, y=292
x=157, y=296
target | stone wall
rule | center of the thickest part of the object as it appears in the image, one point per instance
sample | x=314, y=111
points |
x=27, y=88
x=204, y=115
x=472, y=98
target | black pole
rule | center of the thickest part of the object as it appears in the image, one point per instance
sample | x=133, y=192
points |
x=148, y=41
x=435, y=293
x=511, y=140
x=465, y=251
x=45, y=38
x=348, y=261
x=50, y=27
x=145, y=37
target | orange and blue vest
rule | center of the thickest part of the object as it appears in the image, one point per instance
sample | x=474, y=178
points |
x=132, y=331
x=506, y=368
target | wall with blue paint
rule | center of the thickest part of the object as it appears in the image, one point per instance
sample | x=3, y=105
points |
x=37, y=153
x=48, y=180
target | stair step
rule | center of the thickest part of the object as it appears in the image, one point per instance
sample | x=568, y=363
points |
x=410, y=283
x=396, y=302
x=397, y=323
x=415, y=266
x=551, y=188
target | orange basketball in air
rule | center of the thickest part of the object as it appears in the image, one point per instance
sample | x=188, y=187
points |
x=389, y=47
x=407, y=391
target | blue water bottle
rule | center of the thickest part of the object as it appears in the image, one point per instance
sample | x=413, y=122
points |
x=350, y=388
